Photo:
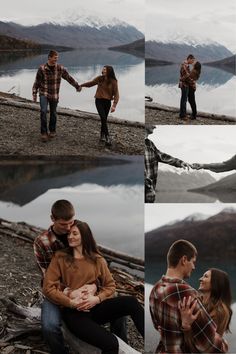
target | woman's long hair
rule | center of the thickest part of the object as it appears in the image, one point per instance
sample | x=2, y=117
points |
x=197, y=67
x=89, y=245
x=110, y=72
x=220, y=293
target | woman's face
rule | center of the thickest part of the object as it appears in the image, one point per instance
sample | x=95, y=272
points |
x=74, y=237
x=104, y=71
x=205, y=281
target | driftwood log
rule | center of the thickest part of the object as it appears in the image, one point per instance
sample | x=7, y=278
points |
x=24, y=321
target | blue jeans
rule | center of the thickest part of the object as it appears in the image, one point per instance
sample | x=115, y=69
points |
x=183, y=101
x=51, y=327
x=44, y=101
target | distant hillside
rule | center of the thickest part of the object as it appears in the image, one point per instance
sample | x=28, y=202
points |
x=177, y=52
x=170, y=181
x=228, y=64
x=74, y=35
x=136, y=48
x=10, y=43
x=213, y=237
x=155, y=62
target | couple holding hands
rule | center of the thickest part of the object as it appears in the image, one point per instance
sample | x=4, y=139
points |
x=48, y=81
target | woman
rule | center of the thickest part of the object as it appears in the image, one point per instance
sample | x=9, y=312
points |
x=194, y=76
x=107, y=90
x=215, y=294
x=82, y=264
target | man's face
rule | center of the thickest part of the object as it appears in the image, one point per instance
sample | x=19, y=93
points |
x=149, y=129
x=189, y=266
x=191, y=61
x=53, y=60
x=62, y=226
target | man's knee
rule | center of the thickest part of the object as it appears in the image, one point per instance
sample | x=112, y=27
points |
x=51, y=327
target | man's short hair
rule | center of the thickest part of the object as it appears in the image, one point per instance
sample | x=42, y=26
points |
x=52, y=53
x=62, y=209
x=190, y=56
x=178, y=249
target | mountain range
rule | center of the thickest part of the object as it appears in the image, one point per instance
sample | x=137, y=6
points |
x=136, y=48
x=228, y=64
x=214, y=237
x=76, y=31
x=177, y=52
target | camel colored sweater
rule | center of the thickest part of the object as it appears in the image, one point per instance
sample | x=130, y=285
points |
x=74, y=274
x=106, y=89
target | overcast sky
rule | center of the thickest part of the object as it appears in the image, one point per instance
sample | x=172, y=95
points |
x=157, y=215
x=212, y=19
x=131, y=11
x=202, y=144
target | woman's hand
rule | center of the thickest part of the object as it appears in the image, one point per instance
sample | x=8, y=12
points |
x=85, y=290
x=87, y=304
x=113, y=108
x=188, y=312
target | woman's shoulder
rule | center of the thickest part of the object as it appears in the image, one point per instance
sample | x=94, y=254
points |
x=62, y=253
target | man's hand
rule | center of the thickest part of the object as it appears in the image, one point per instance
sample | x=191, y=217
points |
x=197, y=166
x=185, y=165
x=83, y=291
x=188, y=312
x=79, y=89
x=35, y=98
x=87, y=304
x=113, y=108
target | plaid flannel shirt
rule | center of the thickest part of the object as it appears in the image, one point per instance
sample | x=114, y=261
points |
x=185, y=78
x=48, y=81
x=163, y=301
x=45, y=245
x=152, y=157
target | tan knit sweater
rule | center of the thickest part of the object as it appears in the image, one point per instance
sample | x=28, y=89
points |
x=106, y=89
x=74, y=274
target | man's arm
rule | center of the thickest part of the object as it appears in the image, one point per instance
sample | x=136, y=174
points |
x=37, y=83
x=225, y=166
x=66, y=76
x=170, y=160
x=40, y=255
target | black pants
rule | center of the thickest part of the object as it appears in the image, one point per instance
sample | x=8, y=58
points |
x=183, y=101
x=103, y=107
x=86, y=325
x=192, y=102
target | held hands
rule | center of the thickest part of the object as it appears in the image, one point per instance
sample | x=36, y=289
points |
x=187, y=308
x=88, y=303
x=186, y=165
x=83, y=291
x=197, y=166
x=79, y=89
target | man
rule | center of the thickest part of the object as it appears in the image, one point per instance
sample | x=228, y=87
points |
x=184, y=84
x=164, y=298
x=45, y=245
x=225, y=166
x=152, y=157
x=47, y=82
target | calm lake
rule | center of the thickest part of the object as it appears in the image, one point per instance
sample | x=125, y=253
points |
x=109, y=196
x=18, y=70
x=155, y=271
x=215, y=89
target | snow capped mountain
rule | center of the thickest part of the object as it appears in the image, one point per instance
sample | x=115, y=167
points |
x=179, y=38
x=81, y=18
x=196, y=217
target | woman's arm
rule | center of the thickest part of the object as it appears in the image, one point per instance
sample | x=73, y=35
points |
x=91, y=83
x=52, y=285
x=116, y=96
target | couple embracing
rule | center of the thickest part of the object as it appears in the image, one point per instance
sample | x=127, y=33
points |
x=48, y=81
x=79, y=288
x=190, y=321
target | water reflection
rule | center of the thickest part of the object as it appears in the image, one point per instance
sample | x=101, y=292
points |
x=19, y=71
x=214, y=87
x=109, y=198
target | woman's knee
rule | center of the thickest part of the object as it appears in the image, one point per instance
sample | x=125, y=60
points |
x=111, y=345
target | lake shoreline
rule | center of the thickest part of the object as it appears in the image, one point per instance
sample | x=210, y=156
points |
x=78, y=132
x=156, y=113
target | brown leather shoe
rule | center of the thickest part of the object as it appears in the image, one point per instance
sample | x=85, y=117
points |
x=52, y=135
x=44, y=137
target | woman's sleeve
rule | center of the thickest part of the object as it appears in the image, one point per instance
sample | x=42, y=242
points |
x=52, y=284
x=116, y=95
x=91, y=83
x=107, y=284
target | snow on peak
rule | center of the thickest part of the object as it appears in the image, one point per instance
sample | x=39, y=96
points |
x=179, y=38
x=196, y=217
x=81, y=18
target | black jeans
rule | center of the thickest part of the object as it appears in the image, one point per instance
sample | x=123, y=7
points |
x=183, y=101
x=192, y=102
x=103, y=107
x=43, y=114
x=86, y=325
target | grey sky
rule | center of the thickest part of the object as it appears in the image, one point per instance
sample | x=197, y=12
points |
x=203, y=144
x=131, y=11
x=157, y=215
x=211, y=19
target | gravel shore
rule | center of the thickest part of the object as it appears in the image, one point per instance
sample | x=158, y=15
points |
x=164, y=115
x=78, y=132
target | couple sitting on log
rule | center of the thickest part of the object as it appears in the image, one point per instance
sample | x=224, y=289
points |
x=78, y=286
